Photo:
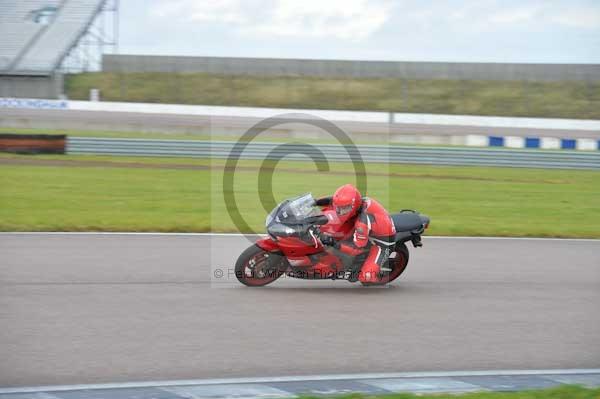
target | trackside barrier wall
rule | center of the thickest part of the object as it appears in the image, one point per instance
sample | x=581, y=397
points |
x=582, y=134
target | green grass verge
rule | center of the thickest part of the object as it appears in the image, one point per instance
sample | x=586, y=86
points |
x=470, y=97
x=562, y=392
x=97, y=194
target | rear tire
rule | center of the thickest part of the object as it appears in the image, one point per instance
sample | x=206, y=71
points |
x=398, y=265
x=251, y=268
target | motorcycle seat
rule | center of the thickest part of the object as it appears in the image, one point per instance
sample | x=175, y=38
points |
x=407, y=221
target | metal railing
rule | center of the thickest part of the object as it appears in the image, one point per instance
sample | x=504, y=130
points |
x=559, y=159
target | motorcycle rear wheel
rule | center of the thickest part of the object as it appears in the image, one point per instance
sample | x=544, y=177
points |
x=252, y=269
x=398, y=264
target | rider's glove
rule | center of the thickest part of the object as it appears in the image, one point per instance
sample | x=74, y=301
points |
x=329, y=241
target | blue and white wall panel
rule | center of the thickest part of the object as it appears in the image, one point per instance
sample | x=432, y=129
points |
x=545, y=143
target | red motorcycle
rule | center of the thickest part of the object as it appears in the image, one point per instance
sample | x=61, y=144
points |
x=293, y=246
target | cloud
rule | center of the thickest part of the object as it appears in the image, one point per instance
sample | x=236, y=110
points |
x=344, y=19
x=455, y=30
x=578, y=18
x=497, y=17
x=514, y=16
x=550, y=14
x=341, y=19
x=223, y=11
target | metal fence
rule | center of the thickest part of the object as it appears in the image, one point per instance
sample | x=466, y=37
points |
x=337, y=153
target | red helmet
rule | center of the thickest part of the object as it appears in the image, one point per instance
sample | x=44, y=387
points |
x=346, y=202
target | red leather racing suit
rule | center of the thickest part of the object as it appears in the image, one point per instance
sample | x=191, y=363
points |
x=371, y=242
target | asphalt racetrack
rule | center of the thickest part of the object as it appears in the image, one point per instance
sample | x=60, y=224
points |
x=108, y=308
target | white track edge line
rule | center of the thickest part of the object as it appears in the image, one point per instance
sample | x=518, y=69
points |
x=330, y=377
x=158, y=233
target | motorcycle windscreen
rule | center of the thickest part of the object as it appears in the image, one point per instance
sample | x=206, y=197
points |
x=294, y=211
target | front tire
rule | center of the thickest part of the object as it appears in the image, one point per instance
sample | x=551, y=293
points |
x=397, y=262
x=252, y=268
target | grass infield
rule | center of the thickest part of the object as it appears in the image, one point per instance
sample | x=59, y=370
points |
x=101, y=193
x=562, y=392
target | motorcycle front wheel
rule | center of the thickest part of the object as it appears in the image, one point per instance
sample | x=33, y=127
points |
x=252, y=268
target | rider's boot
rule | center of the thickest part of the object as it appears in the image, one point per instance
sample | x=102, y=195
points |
x=370, y=273
x=353, y=269
x=372, y=268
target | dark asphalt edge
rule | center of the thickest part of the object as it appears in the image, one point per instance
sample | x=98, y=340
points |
x=428, y=382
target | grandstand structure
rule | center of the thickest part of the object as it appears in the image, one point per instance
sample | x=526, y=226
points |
x=42, y=39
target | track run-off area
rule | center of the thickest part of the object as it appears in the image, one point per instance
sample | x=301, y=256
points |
x=95, y=308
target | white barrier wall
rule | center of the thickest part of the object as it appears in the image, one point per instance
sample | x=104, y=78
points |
x=581, y=142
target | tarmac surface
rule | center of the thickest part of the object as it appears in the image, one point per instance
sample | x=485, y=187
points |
x=93, y=308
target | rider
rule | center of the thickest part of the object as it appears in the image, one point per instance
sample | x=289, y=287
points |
x=373, y=230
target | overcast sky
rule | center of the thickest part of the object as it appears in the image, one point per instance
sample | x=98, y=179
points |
x=543, y=31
